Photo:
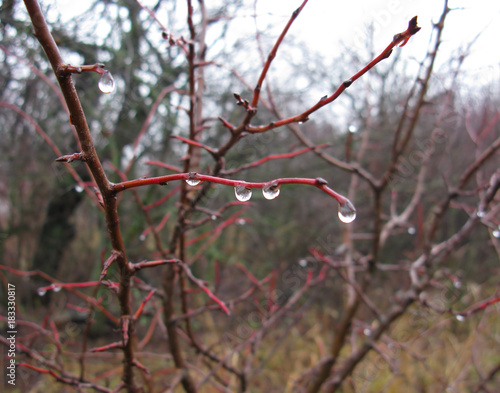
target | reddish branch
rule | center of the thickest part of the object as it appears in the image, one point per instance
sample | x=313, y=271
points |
x=77, y=118
x=318, y=182
x=272, y=157
x=398, y=39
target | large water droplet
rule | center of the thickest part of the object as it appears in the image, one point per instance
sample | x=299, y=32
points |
x=193, y=182
x=41, y=291
x=242, y=193
x=106, y=83
x=347, y=212
x=271, y=190
x=191, y=179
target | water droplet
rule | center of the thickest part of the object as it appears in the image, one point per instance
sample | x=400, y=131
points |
x=106, y=83
x=353, y=129
x=142, y=237
x=41, y=291
x=457, y=284
x=271, y=190
x=481, y=213
x=303, y=262
x=412, y=230
x=347, y=212
x=213, y=217
x=241, y=221
x=367, y=332
x=496, y=233
x=193, y=182
x=78, y=188
x=56, y=287
x=242, y=193
x=460, y=318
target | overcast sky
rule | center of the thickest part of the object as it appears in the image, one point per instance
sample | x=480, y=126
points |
x=324, y=22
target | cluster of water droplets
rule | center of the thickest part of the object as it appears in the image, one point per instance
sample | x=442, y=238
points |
x=271, y=190
x=347, y=212
x=54, y=287
x=106, y=82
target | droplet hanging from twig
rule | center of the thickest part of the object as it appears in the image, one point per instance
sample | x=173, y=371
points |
x=347, y=212
x=106, y=83
x=242, y=193
x=271, y=190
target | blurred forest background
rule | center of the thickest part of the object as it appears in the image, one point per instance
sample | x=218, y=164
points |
x=50, y=223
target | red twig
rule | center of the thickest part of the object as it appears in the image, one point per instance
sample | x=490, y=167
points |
x=400, y=38
x=273, y=157
x=145, y=126
x=157, y=228
x=318, y=182
x=203, y=286
x=164, y=165
x=112, y=258
x=143, y=303
x=272, y=55
x=193, y=143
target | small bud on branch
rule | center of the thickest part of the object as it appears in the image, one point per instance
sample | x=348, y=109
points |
x=71, y=157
